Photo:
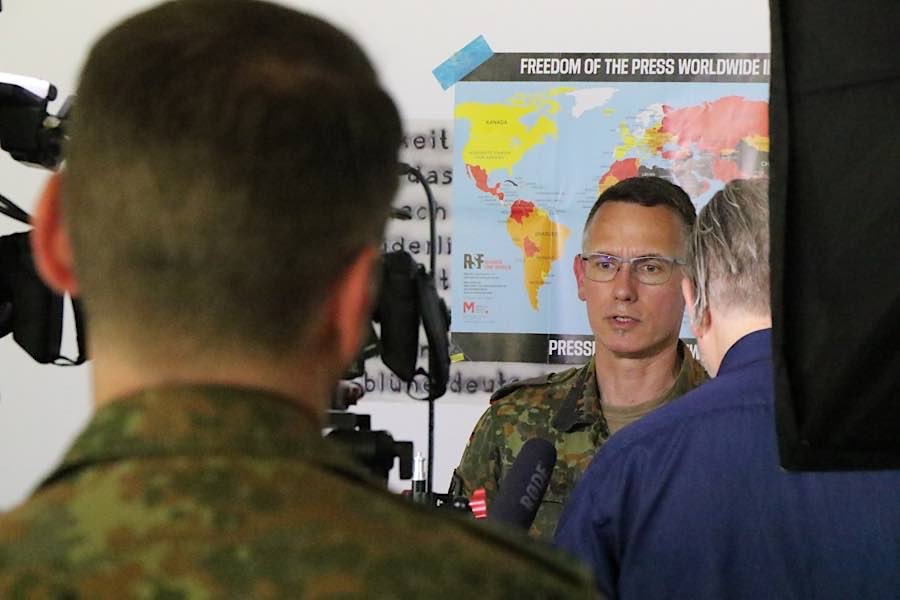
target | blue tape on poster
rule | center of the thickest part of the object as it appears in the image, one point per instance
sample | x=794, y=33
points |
x=463, y=62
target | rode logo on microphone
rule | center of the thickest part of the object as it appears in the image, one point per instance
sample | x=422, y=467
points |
x=534, y=491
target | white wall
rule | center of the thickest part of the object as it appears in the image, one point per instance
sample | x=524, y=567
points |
x=41, y=407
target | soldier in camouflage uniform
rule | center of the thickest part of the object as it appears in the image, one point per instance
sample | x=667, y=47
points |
x=635, y=310
x=219, y=492
x=230, y=172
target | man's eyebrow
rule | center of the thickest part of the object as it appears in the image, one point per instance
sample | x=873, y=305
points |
x=644, y=255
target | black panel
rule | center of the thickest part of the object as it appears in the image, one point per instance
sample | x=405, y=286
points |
x=835, y=210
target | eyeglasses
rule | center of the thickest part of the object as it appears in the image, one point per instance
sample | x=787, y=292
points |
x=650, y=270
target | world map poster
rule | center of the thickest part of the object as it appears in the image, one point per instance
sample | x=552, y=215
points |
x=539, y=137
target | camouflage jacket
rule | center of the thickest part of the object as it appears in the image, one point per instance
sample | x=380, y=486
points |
x=563, y=408
x=215, y=492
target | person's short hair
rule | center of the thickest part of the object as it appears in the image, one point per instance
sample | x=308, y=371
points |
x=648, y=190
x=227, y=159
x=728, y=251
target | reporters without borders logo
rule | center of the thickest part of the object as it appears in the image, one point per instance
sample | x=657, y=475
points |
x=473, y=261
x=479, y=262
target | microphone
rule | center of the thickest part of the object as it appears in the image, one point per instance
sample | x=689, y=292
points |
x=523, y=488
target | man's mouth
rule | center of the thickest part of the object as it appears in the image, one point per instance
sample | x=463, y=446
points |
x=623, y=319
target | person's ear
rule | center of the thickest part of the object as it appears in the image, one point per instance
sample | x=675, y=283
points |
x=690, y=294
x=578, y=268
x=350, y=306
x=50, y=245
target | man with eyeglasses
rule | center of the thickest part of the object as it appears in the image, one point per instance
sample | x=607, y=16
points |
x=629, y=274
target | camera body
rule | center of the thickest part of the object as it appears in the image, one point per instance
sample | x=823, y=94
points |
x=27, y=131
x=29, y=310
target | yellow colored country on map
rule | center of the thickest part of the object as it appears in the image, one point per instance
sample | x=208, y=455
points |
x=541, y=240
x=498, y=138
x=760, y=142
x=651, y=141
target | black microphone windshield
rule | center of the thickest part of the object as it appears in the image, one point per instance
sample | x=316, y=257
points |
x=524, y=486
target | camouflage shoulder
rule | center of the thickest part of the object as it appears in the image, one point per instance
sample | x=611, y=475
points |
x=543, y=568
x=543, y=561
x=696, y=373
x=517, y=388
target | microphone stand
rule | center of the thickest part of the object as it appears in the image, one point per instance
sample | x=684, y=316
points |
x=406, y=169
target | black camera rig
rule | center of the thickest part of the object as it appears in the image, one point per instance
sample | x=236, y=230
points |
x=407, y=299
x=29, y=309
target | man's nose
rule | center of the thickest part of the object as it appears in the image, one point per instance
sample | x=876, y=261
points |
x=624, y=285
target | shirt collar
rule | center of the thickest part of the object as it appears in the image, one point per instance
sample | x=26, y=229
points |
x=581, y=406
x=199, y=420
x=753, y=347
x=577, y=407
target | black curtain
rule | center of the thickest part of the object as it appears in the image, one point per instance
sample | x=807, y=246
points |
x=835, y=224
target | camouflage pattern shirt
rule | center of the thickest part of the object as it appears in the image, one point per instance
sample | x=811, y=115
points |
x=563, y=408
x=217, y=492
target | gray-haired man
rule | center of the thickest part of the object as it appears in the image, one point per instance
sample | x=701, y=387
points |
x=690, y=502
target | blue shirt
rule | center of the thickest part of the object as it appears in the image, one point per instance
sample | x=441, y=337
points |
x=691, y=502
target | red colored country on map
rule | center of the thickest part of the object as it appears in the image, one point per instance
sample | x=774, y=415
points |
x=519, y=210
x=680, y=154
x=529, y=247
x=726, y=170
x=481, y=181
x=621, y=169
x=717, y=125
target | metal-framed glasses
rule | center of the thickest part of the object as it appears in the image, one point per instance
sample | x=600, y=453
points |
x=650, y=270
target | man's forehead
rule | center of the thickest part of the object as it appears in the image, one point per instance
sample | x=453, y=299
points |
x=635, y=229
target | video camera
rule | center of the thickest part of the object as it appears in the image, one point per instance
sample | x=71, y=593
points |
x=407, y=300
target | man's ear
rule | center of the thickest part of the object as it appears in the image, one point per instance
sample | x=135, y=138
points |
x=578, y=269
x=50, y=245
x=690, y=294
x=351, y=303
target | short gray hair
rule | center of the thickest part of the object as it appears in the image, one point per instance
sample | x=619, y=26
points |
x=728, y=250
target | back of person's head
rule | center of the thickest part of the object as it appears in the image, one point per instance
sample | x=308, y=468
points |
x=728, y=251
x=228, y=158
x=648, y=191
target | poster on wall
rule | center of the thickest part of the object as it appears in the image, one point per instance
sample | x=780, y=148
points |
x=537, y=137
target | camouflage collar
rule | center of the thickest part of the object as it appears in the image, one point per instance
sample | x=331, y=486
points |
x=200, y=421
x=581, y=406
